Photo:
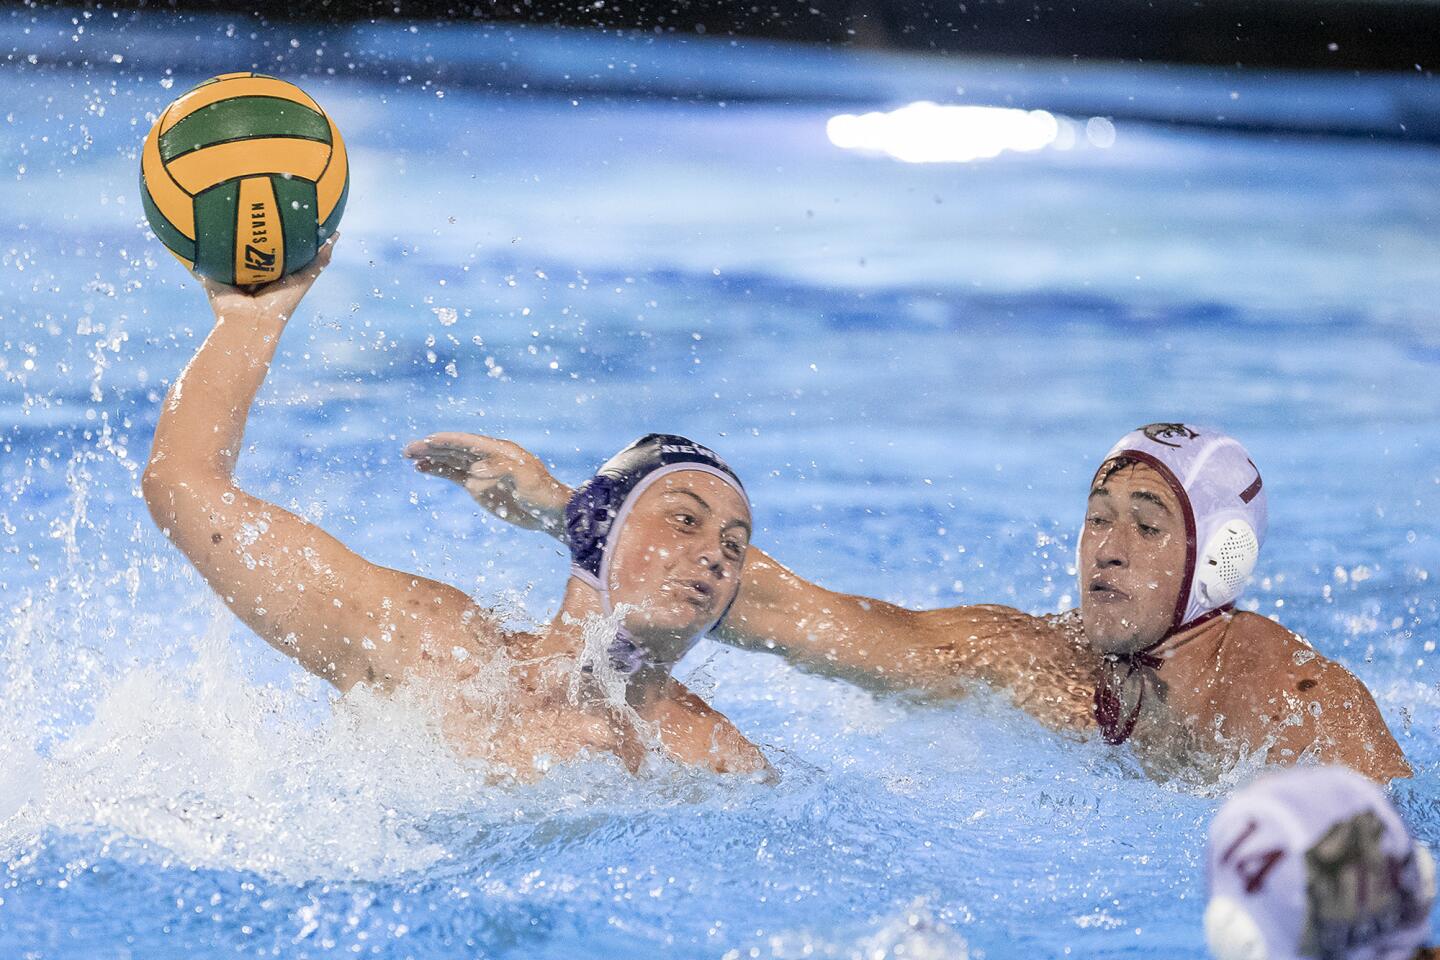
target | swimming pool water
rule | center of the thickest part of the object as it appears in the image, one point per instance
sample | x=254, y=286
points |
x=915, y=368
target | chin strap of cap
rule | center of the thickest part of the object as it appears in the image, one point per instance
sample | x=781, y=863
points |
x=1115, y=724
x=626, y=656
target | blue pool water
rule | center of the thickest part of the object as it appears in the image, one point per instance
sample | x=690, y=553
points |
x=914, y=366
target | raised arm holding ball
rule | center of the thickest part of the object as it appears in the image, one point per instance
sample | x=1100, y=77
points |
x=667, y=526
x=244, y=179
x=1155, y=655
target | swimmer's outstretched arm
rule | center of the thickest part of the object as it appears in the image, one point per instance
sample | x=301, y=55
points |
x=303, y=591
x=872, y=643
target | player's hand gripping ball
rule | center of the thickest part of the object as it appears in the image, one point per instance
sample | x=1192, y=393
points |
x=243, y=178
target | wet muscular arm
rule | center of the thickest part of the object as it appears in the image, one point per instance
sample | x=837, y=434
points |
x=882, y=646
x=869, y=642
x=303, y=591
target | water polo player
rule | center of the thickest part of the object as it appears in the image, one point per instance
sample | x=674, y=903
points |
x=658, y=536
x=1316, y=864
x=1155, y=655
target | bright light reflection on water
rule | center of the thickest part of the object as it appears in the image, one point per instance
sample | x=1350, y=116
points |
x=925, y=132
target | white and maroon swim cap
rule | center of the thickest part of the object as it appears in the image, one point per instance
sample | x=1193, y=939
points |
x=1313, y=863
x=1223, y=500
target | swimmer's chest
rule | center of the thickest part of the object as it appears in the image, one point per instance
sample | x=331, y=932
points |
x=529, y=737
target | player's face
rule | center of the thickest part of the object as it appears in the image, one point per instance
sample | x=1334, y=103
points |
x=1132, y=559
x=678, y=556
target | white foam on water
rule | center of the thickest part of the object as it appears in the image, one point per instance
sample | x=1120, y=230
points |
x=201, y=765
x=914, y=933
x=209, y=769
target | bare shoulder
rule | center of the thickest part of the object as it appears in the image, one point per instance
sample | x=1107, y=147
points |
x=1258, y=646
x=1313, y=704
x=415, y=620
x=1268, y=633
x=696, y=733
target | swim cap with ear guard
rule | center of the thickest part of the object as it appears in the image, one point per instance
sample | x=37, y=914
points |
x=597, y=511
x=1223, y=500
x=1313, y=863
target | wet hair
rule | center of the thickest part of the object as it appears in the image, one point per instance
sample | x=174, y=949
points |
x=1109, y=468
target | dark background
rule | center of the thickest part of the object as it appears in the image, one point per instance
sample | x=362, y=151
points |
x=1390, y=35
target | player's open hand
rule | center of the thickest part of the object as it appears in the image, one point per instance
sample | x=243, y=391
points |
x=501, y=476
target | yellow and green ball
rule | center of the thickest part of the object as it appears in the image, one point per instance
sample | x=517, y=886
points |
x=243, y=178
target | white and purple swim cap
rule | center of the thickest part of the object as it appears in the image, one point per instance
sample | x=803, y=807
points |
x=597, y=511
x=1223, y=499
x=1313, y=863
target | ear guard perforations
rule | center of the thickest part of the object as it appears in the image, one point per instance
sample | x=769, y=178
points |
x=1226, y=561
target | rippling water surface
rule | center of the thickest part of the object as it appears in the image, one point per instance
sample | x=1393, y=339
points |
x=914, y=367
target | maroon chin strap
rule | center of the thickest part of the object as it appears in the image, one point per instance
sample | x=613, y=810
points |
x=1116, y=728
